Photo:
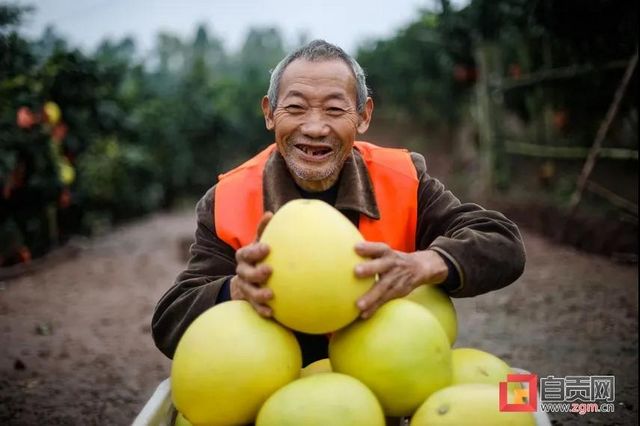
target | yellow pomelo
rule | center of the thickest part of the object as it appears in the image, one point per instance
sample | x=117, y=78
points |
x=319, y=366
x=401, y=353
x=228, y=362
x=313, y=258
x=440, y=305
x=468, y=404
x=322, y=400
x=66, y=171
x=52, y=111
x=471, y=365
x=181, y=421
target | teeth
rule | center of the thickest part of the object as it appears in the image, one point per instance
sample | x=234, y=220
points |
x=313, y=151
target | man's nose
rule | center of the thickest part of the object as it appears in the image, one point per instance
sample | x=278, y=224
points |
x=315, y=125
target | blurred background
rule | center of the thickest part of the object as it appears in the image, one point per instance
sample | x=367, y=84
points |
x=111, y=110
x=116, y=116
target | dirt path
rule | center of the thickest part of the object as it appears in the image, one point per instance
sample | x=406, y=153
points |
x=76, y=347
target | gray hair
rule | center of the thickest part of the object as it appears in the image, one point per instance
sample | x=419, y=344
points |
x=316, y=51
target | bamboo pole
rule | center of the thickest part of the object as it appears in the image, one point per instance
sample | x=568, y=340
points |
x=486, y=129
x=600, y=136
x=613, y=198
x=559, y=74
x=568, y=152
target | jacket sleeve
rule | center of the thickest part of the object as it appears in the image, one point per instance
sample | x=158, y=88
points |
x=198, y=287
x=484, y=246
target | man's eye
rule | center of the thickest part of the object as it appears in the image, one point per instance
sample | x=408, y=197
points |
x=335, y=111
x=294, y=108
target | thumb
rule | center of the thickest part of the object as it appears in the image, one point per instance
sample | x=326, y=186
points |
x=266, y=217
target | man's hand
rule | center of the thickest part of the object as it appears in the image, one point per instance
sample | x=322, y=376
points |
x=248, y=283
x=398, y=273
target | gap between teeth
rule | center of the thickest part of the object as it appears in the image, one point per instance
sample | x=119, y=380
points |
x=315, y=152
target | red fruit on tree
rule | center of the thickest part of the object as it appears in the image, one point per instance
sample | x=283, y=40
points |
x=560, y=119
x=64, y=200
x=460, y=73
x=25, y=118
x=24, y=254
x=515, y=71
x=59, y=132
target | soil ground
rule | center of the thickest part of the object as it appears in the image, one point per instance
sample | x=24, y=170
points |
x=76, y=347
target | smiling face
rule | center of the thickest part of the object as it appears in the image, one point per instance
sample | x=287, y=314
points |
x=316, y=120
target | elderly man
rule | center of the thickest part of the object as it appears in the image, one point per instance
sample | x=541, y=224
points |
x=418, y=232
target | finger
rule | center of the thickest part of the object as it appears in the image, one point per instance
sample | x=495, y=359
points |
x=263, y=310
x=392, y=293
x=266, y=217
x=367, y=313
x=370, y=249
x=375, y=266
x=235, y=288
x=371, y=297
x=390, y=289
x=253, y=274
x=255, y=294
x=252, y=253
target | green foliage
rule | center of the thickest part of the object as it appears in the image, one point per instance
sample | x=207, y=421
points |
x=427, y=70
x=134, y=134
x=415, y=71
x=119, y=178
x=137, y=133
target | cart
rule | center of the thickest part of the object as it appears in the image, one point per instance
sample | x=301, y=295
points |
x=159, y=410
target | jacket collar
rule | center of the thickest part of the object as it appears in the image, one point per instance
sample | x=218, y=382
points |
x=355, y=190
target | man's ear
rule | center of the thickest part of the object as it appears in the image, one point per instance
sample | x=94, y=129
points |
x=268, y=113
x=365, y=116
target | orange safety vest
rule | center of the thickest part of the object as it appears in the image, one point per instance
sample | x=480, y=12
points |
x=239, y=199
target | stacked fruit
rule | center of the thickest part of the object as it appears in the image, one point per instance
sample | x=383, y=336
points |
x=234, y=367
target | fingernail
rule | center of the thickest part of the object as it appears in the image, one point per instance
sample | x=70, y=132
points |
x=358, y=269
x=362, y=304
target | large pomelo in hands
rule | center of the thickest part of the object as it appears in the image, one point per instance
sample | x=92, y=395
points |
x=468, y=404
x=401, y=353
x=312, y=255
x=322, y=400
x=440, y=305
x=228, y=362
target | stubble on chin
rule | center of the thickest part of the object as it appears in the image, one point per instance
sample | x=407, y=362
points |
x=311, y=177
x=311, y=174
x=314, y=179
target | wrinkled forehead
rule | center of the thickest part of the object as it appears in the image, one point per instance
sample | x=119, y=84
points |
x=318, y=77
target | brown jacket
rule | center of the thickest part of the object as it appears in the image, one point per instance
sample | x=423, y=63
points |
x=484, y=247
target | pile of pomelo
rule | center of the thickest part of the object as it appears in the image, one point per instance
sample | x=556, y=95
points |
x=234, y=367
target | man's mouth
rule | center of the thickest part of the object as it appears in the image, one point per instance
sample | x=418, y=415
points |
x=316, y=151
